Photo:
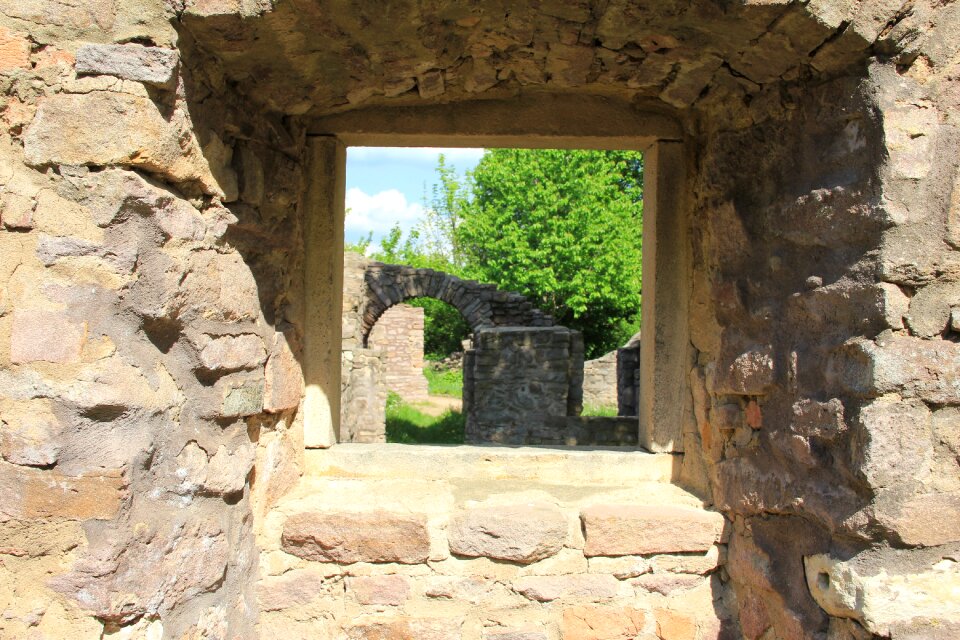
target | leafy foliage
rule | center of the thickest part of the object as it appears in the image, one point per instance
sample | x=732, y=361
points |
x=444, y=382
x=564, y=228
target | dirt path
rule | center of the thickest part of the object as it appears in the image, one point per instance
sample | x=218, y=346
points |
x=436, y=405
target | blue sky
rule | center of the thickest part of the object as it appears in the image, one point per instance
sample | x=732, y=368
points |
x=386, y=185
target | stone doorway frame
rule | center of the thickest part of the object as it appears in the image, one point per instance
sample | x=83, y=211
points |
x=530, y=121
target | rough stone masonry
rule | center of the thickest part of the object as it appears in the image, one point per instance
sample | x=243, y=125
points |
x=153, y=181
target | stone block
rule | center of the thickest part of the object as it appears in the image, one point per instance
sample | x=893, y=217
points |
x=30, y=434
x=667, y=583
x=240, y=398
x=926, y=519
x=893, y=442
x=675, y=625
x=641, y=530
x=150, y=65
x=518, y=533
x=601, y=623
x=27, y=494
x=467, y=589
x=103, y=128
x=913, y=367
x=592, y=587
x=230, y=353
x=406, y=629
x=374, y=536
x=743, y=369
x=379, y=590
x=227, y=471
x=14, y=51
x=515, y=635
x=930, y=308
x=46, y=336
x=16, y=212
x=293, y=588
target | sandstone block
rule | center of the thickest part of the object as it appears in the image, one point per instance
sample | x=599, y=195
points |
x=384, y=590
x=674, y=625
x=893, y=442
x=744, y=370
x=241, y=398
x=230, y=353
x=913, y=367
x=14, y=51
x=27, y=493
x=227, y=471
x=667, y=583
x=45, y=336
x=519, y=533
x=150, y=65
x=407, y=629
x=376, y=536
x=30, y=434
x=593, y=587
x=284, y=378
x=102, y=128
x=293, y=588
x=641, y=530
x=927, y=519
x=929, y=313
x=469, y=589
x=601, y=623
x=16, y=211
x=516, y=635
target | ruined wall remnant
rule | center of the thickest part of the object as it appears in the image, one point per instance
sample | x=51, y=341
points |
x=516, y=378
x=152, y=317
x=600, y=381
x=399, y=333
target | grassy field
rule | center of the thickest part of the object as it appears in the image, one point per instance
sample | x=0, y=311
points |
x=599, y=410
x=444, y=383
x=406, y=425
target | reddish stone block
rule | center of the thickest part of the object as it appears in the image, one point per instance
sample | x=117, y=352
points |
x=374, y=536
x=388, y=590
x=45, y=336
x=601, y=623
x=642, y=530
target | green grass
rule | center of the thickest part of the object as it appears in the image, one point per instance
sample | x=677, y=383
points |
x=444, y=383
x=599, y=410
x=406, y=425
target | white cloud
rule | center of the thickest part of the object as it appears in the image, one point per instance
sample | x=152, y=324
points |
x=379, y=212
x=420, y=155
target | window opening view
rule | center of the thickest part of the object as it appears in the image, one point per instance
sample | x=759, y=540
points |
x=492, y=296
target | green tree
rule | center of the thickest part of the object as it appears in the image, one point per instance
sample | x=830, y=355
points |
x=564, y=228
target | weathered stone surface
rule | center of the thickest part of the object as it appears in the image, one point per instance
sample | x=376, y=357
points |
x=640, y=530
x=601, y=623
x=881, y=590
x=150, y=65
x=230, y=353
x=519, y=533
x=46, y=336
x=294, y=588
x=744, y=370
x=469, y=589
x=674, y=625
x=407, y=629
x=28, y=494
x=376, y=536
x=30, y=433
x=515, y=635
x=187, y=559
x=914, y=368
x=592, y=587
x=14, y=50
x=929, y=313
x=384, y=590
x=666, y=583
x=894, y=442
x=924, y=519
x=102, y=129
x=284, y=378
x=241, y=398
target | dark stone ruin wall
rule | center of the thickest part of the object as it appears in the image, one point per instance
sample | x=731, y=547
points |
x=825, y=365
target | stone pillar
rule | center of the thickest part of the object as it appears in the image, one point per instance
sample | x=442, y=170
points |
x=323, y=286
x=664, y=349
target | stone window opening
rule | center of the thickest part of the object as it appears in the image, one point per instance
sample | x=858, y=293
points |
x=523, y=375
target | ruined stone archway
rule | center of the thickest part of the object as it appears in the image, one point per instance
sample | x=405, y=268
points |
x=481, y=305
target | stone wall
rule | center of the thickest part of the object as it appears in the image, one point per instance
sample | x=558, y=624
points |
x=149, y=327
x=516, y=378
x=152, y=309
x=482, y=543
x=628, y=380
x=600, y=381
x=399, y=334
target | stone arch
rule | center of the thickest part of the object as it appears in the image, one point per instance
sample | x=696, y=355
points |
x=482, y=305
